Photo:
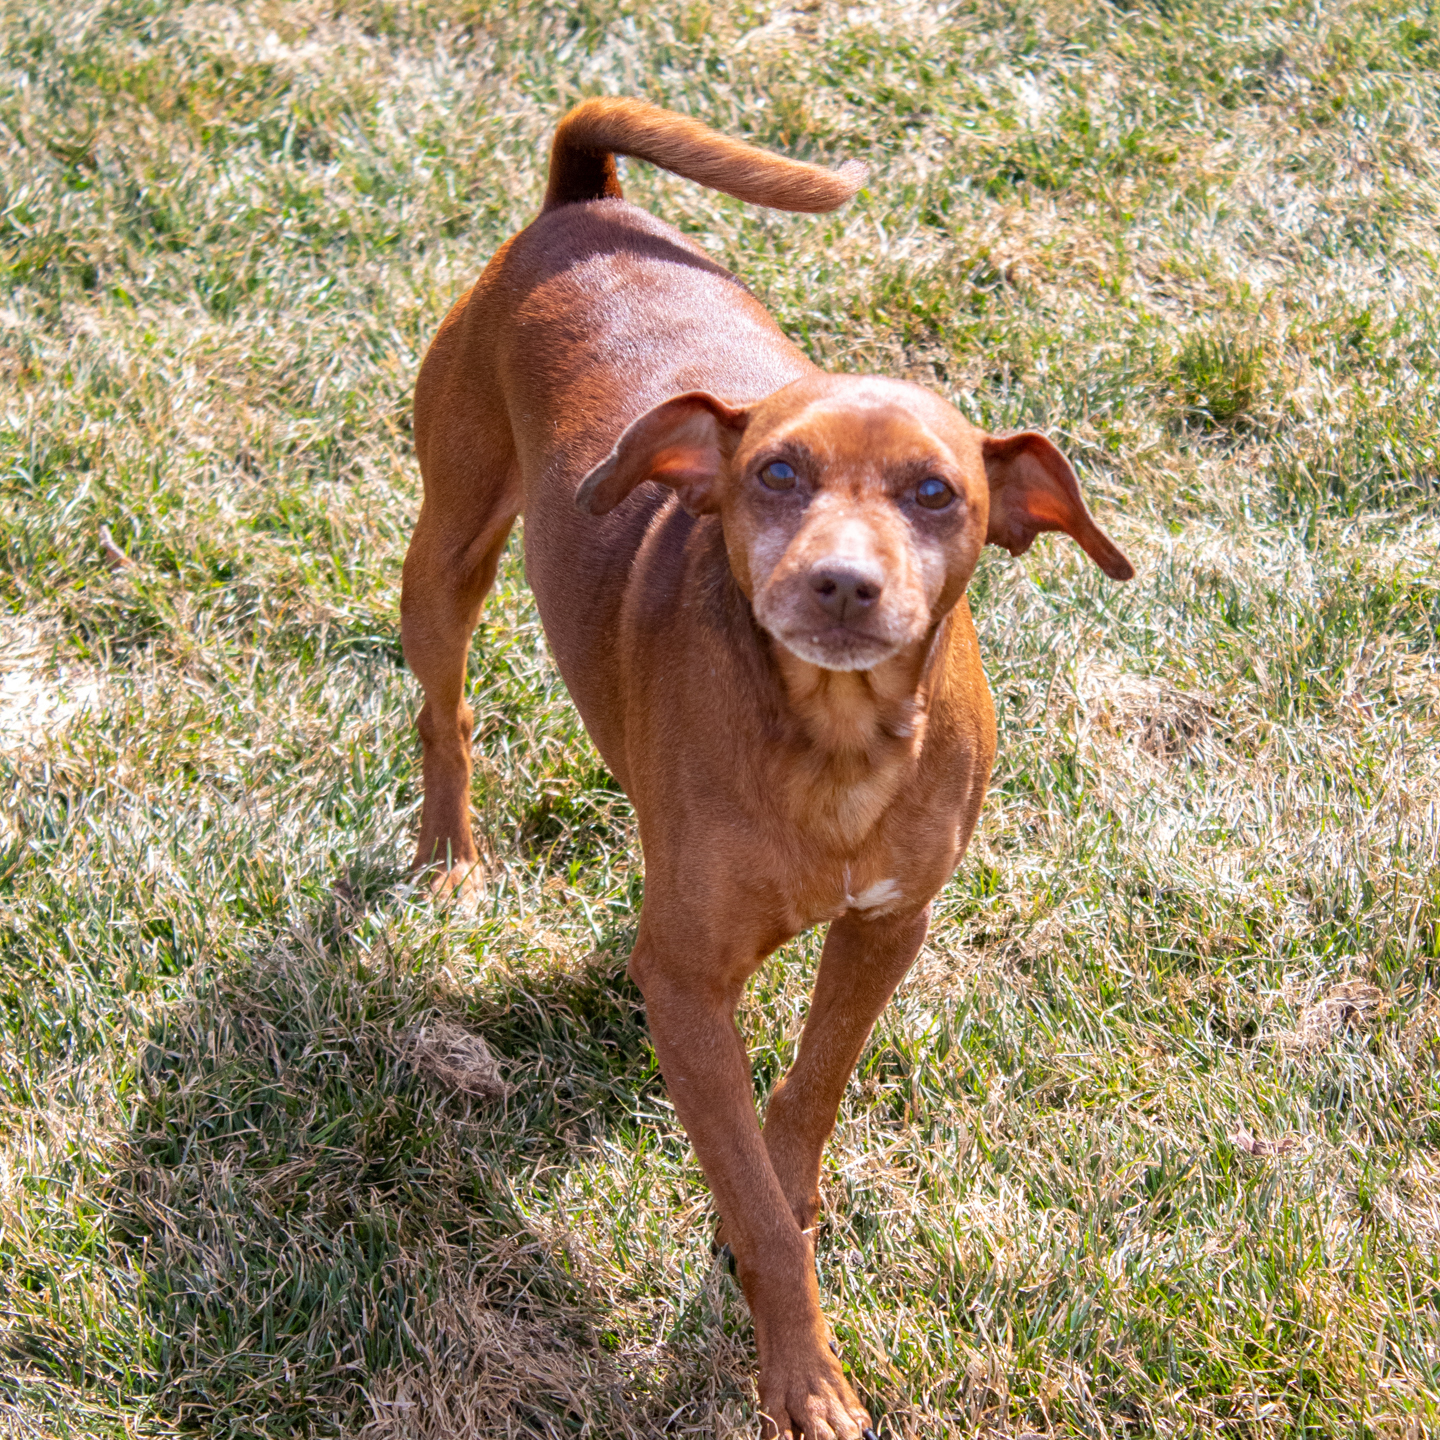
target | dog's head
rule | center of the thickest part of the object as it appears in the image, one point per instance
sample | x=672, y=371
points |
x=853, y=509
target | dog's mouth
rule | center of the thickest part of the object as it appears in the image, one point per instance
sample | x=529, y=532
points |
x=838, y=647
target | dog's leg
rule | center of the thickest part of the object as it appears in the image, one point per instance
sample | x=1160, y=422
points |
x=862, y=963
x=691, y=992
x=449, y=569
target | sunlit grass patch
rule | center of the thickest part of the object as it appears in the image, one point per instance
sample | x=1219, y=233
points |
x=1220, y=379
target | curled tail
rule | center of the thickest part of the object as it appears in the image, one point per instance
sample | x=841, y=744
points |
x=582, y=159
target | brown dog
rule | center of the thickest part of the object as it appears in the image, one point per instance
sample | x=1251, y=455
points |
x=752, y=575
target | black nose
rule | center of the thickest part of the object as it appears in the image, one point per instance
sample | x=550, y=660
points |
x=842, y=592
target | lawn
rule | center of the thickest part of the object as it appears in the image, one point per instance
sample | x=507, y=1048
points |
x=1148, y=1143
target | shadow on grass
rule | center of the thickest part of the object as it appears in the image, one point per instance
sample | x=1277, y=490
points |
x=319, y=1225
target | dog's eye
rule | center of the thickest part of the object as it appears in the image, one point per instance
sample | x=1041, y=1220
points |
x=933, y=494
x=777, y=475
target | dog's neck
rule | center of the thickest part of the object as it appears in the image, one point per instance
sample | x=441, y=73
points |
x=857, y=736
x=857, y=714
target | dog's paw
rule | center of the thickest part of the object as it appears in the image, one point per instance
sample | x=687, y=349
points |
x=462, y=886
x=808, y=1395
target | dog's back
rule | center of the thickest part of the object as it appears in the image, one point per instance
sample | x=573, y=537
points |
x=556, y=358
x=556, y=301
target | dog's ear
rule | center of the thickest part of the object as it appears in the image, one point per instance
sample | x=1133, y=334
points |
x=683, y=443
x=1033, y=488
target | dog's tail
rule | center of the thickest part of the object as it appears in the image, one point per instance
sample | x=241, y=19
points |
x=582, y=159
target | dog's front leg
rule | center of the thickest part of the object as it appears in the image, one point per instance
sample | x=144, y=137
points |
x=691, y=990
x=862, y=963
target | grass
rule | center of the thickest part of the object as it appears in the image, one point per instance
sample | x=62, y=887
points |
x=1148, y=1144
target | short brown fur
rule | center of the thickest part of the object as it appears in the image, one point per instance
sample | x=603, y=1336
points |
x=752, y=577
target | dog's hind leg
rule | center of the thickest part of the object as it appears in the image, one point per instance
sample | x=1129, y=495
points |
x=445, y=582
x=444, y=586
x=472, y=496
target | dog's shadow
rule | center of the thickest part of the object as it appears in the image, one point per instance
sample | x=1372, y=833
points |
x=330, y=1230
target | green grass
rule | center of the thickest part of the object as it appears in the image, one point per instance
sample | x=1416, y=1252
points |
x=1148, y=1144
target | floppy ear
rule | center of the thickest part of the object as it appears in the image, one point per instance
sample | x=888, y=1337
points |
x=683, y=443
x=1033, y=488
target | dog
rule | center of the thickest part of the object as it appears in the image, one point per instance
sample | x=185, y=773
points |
x=752, y=576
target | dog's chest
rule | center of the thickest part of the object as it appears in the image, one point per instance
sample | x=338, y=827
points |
x=877, y=869
x=877, y=898
x=881, y=845
x=872, y=887
x=838, y=814
x=840, y=806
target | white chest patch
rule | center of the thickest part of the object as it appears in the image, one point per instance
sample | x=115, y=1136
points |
x=875, y=899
